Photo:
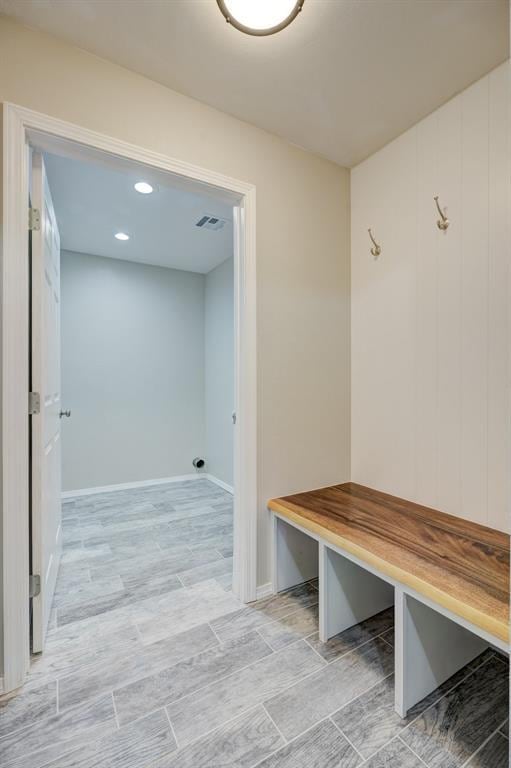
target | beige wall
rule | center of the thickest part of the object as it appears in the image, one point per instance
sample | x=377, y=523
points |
x=430, y=323
x=302, y=244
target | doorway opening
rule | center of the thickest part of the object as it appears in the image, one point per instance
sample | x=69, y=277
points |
x=161, y=488
x=133, y=365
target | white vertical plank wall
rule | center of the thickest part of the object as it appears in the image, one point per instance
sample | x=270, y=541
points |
x=474, y=301
x=499, y=288
x=383, y=300
x=430, y=316
x=447, y=425
x=428, y=308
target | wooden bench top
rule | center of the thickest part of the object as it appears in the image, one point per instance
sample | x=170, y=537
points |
x=459, y=565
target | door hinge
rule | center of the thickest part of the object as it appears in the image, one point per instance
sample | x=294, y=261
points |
x=34, y=219
x=34, y=403
x=34, y=585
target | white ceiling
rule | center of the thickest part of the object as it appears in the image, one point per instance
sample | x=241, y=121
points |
x=93, y=202
x=345, y=78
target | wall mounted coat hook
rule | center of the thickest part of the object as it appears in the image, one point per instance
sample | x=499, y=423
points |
x=376, y=249
x=443, y=221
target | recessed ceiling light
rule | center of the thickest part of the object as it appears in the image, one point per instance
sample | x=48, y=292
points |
x=260, y=17
x=143, y=187
x=122, y=236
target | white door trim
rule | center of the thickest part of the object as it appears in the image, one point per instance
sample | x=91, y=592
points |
x=18, y=126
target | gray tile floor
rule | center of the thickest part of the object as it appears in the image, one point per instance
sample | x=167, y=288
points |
x=152, y=662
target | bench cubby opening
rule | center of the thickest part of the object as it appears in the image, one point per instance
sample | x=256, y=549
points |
x=295, y=556
x=429, y=649
x=349, y=593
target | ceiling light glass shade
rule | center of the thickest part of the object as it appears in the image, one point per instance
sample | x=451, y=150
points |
x=260, y=17
x=143, y=187
x=122, y=236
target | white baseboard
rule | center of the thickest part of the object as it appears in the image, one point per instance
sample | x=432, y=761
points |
x=144, y=483
x=136, y=484
x=221, y=483
x=265, y=590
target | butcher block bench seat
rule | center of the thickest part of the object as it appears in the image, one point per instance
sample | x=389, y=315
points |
x=448, y=577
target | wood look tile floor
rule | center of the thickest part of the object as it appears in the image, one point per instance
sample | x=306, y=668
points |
x=151, y=662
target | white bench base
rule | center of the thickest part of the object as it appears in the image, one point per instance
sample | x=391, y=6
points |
x=431, y=642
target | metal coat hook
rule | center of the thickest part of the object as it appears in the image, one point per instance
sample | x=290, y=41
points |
x=443, y=221
x=376, y=249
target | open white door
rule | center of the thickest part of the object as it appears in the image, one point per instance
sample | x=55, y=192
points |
x=45, y=381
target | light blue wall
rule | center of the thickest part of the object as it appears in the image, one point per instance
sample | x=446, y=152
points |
x=132, y=371
x=219, y=370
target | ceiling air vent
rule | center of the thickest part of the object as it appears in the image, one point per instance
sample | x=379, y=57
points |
x=211, y=222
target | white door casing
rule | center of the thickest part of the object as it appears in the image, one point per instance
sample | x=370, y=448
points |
x=45, y=380
x=18, y=126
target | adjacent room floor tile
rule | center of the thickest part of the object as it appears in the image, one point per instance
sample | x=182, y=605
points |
x=222, y=544
x=210, y=571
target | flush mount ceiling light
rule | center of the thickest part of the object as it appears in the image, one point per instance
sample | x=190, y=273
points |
x=143, y=187
x=122, y=236
x=260, y=17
